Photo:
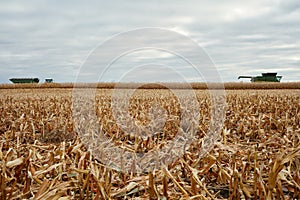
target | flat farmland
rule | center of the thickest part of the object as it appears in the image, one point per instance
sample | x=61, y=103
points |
x=256, y=155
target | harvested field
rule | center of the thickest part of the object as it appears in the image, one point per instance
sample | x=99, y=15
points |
x=257, y=156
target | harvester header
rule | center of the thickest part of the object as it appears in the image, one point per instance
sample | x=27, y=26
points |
x=25, y=80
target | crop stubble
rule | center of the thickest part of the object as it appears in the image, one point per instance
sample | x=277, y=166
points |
x=258, y=155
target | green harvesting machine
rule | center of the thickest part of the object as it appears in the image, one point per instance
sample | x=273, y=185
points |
x=24, y=80
x=265, y=77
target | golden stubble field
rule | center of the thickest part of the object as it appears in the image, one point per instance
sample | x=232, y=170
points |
x=257, y=155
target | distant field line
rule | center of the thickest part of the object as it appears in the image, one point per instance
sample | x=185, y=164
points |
x=173, y=85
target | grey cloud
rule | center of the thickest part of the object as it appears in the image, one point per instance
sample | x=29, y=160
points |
x=53, y=38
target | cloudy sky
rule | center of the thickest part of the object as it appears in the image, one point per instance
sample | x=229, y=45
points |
x=56, y=38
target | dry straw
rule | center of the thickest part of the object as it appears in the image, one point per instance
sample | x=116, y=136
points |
x=41, y=156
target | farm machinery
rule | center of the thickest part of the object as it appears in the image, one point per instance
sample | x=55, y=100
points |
x=24, y=80
x=30, y=80
x=265, y=77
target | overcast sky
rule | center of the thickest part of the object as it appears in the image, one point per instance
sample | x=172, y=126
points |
x=54, y=38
